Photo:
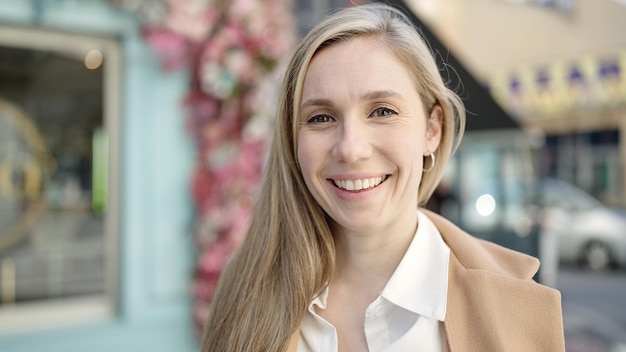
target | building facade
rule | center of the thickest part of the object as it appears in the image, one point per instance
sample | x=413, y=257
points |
x=95, y=252
x=559, y=68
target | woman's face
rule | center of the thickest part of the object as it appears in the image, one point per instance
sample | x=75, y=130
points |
x=362, y=136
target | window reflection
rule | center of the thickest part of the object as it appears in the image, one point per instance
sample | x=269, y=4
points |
x=52, y=203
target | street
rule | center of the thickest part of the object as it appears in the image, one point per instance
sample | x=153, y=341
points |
x=594, y=309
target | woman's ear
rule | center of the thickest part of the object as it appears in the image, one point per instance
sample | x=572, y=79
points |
x=433, y=130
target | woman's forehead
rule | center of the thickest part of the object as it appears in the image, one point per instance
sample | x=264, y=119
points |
x=359, y=66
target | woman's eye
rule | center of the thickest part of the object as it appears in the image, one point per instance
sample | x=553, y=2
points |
x=383, y=111
x=320, y=119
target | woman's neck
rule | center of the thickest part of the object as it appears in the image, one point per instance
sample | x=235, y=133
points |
x=366, y=261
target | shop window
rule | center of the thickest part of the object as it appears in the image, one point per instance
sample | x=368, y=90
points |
x=58, y=172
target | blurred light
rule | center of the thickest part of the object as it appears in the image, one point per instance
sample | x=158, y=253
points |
x=93, y=59
x=485, y=205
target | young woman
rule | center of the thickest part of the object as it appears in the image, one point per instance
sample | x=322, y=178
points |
x=339, y=256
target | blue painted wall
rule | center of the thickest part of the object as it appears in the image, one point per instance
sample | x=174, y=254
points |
x=156, y=255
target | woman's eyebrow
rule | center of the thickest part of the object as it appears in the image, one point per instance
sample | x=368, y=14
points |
x=373, y=95
x=379, y=94
x=316, y=102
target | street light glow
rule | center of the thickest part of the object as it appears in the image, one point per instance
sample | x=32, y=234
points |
x=485, y=205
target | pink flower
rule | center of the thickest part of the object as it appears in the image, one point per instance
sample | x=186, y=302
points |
x=229, y=108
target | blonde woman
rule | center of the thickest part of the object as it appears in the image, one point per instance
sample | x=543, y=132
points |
x=340, y=256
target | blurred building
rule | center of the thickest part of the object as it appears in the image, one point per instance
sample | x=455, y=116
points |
x=95, y=253
x=559, y=67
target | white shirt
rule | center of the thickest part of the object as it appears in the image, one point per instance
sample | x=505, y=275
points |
x=408, y=314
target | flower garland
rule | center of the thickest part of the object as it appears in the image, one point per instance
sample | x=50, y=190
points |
x=233, y=48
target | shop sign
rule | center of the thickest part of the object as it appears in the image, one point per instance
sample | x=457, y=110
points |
x=561, y=87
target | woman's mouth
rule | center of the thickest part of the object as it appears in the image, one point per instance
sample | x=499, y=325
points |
x=360, y=184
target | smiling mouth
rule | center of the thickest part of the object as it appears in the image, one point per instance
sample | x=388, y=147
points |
x=359, y=185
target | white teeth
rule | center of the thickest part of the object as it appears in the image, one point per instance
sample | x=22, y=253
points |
x=358, y=185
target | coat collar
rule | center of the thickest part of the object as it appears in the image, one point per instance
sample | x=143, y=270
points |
x=493, y=303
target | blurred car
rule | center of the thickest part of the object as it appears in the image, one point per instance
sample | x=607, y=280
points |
x=490, y=189
x=587, y=232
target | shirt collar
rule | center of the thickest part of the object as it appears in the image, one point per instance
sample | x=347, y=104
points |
x=420, y=282
x=320, y=301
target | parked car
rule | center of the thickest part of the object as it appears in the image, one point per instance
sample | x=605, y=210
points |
x=573, y=226
x=587, y=231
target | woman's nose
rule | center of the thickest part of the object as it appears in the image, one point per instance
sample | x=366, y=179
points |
x=353, y=143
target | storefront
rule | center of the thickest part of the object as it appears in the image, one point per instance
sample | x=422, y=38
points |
x=579, y=106
x=94, y=171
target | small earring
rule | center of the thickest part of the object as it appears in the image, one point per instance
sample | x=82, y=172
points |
x=432, y=164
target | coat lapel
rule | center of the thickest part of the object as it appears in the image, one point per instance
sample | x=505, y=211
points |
x=491, y=312
x=493, y=303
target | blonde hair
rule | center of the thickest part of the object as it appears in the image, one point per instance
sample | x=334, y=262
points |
x=288, y=255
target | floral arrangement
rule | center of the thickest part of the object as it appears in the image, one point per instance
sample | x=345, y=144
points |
x=233, y=48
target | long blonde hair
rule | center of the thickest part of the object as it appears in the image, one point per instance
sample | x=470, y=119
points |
x=288, y=255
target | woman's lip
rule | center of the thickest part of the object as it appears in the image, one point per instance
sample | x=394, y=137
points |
x=354, y=177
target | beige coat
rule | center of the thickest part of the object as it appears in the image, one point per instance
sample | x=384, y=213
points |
x=493, y=303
